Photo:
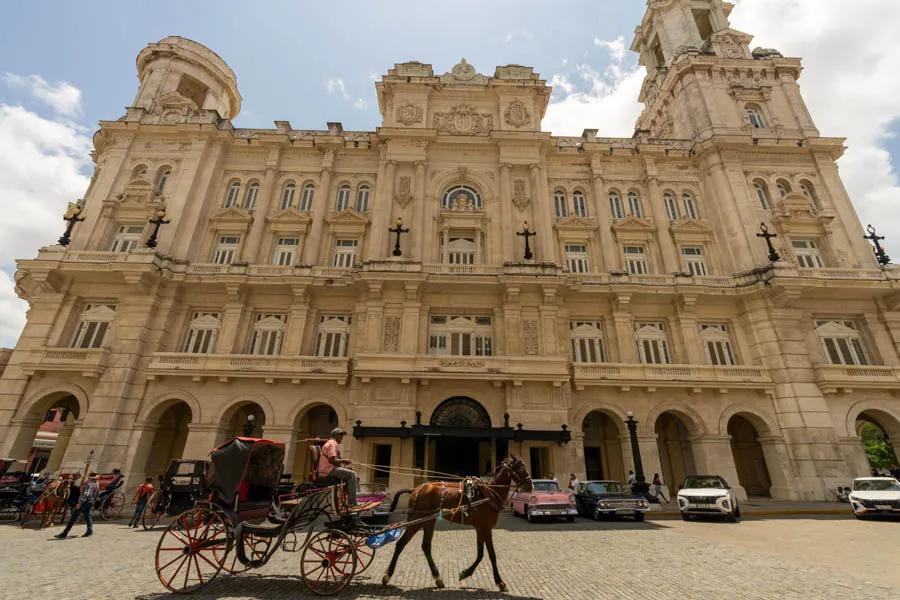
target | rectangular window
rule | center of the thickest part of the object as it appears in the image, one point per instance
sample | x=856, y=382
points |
x=577, y=258
x=202, y=332
x=842, y=342
x=93, y=325
x=460, y=336
x=345, y=253
x=127, y=238
x=652, y=344
x=694, y=263
x=807, y=253
x=381, y=473
x=634, y=205
x=671, y=207
x=587, y=342
x=226, y=249
x=343, y=199
x=635, y=260
x=580, y=204
x=286, y=250
x=717, y=344
x=333, y=337
x=461, y=250
x=267, y=334
x=615, y=206
x=559, y=202
x=306, y=199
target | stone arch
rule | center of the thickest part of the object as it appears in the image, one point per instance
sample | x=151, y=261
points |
x=316, y=418
x=604, y=434
x=304, y=405
x=41, y=441
x=494, y=405
x=36, y=403
x=615, y=412
x=694, y=422
x=444, y=181
x=887, y=418
x=761, y=421
x=169, y=436
x=154, y=408
x=232, y=420
x=674, y=442
x=887, y=427
x=227, y=408
x=460, y=411
x=743, y=430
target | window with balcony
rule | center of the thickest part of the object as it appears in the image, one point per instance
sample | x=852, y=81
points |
x=842, y=342
x=127, y=238
x=362, y=198
x=251, y=196
x=762, y=194
x=286, y=251
x=754, y=117
x=306, y=200
x=287, y=195
x=652, y=343
x=634, y=205
x=232, y=193
x=560, y=203
x=807, y=253
x=226, y=249
x=577, y=258
x=202, y=332
x=345, y=253
x=635, y=260
x=717, y=344
x=587, y=341
x=579, y=203
x=343, y=198
x=268, y=330
x=460, y=336
x=93, y=324
x=690, y=206
x=671, y=206
x=694, y=261
x=461, y=250
x=615, y=206
x=333, y=335
x=461, y=197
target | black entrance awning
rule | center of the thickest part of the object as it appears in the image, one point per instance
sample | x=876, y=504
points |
x=517, y=433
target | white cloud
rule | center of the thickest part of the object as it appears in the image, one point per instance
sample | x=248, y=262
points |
x=64, y=98
x=521, y=34
x=615, y=47
x=336, y=85
x=361, y=104
x=40, y=172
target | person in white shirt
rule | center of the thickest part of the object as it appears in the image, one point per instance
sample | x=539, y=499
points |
x=573, y=482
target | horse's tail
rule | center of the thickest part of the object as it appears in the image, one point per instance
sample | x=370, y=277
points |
x=397, y=498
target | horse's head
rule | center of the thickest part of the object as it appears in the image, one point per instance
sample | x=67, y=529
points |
x=518, y=473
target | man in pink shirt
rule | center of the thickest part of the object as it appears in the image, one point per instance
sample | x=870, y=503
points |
x=331, y=464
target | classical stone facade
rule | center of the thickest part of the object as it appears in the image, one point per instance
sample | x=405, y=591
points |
x=275, y=290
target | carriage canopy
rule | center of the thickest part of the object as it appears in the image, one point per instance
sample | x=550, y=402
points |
x=248, y=467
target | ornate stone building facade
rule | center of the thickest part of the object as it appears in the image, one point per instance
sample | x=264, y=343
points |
x=275, y=290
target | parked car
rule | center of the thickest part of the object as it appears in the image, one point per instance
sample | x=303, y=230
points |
x=372, y=492
x=875, y=496
x=708, y=495
x=544, y=500
x=608, y=498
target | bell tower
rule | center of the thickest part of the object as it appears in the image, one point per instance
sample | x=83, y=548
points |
x=703, y=80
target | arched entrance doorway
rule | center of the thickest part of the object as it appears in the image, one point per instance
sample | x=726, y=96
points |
x=457, y=449
x=44, y=438
x=749, y=459
x=169, y=438
x=879, y=432
x=676, y=456
x=244, y=419
x=602, y=447
x=316, y=421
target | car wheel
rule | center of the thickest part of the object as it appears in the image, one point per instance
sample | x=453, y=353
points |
x=528, y=515
x=639, y=517
x=859, y=516
x=570, y=518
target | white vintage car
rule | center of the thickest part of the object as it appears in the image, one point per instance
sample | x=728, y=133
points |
x=708, y=495
x=875, y=496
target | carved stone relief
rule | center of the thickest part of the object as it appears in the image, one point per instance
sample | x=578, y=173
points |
x=391, y=334
x=463, y=119
x=404, y=191
x=409, y=114
x=530, y=330
x=520, y=197
x=517, y=114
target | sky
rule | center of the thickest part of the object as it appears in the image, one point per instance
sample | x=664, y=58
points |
x=64, y=66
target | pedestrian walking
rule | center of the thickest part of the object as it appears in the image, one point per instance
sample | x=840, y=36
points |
x=573, y=482
x=141, y=496
x=90, y=490
x=658, y=488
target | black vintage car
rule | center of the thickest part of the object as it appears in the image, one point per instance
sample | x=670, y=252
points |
x=597, y=499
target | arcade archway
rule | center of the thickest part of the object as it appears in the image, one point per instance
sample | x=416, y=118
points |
x=602, y=447
x=676, y=455
x=169, y=438
x=243, y=419
x=458, y=448
x=879, y=433
x=44, y=436
x=749, y=459
x=316, y=421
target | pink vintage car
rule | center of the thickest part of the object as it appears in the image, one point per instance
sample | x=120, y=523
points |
x=544, y=500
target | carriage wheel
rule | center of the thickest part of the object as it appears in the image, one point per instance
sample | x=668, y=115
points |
x=328, y=562
x=112, y=506
x=191, y=550
x=153, y=512
x=9, y=512
x=26, y=513
x=364, y=554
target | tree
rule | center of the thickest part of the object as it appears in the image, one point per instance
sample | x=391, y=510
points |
x=878, y=449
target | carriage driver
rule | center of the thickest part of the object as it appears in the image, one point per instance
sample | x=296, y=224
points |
x=331, y=464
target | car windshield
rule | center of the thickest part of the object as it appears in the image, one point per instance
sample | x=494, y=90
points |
x=606, y=487
x=545, y=486
x=876, y=485
x=704, y=482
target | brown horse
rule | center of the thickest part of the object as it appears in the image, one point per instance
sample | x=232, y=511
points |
x=55, y=496
x=449, y=501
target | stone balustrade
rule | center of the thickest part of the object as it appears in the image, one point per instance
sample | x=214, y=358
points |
x=834, y=378
x=89, y=362
x=622, y=374
x=227, y=366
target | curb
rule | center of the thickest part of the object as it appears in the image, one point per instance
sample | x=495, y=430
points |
x=771, y=512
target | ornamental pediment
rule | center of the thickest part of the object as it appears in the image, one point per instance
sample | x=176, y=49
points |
x=231, y=215
x=690, y=226
x=575, y=222
x=289, y=217
x=632, y=223
x=731, y=43
x=173, y=100
x=347, y=217
x=464, y=73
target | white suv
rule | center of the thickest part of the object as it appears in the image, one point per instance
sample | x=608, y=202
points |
x=875, y=496
x=708, y=495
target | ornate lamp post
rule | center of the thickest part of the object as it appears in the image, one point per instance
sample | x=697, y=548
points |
x=71, y=217
x=157, y=222
x=398, y=230
x=248, y=426
x=526, y=234
x=882, y=258
x=640, y=487
x=773, y=254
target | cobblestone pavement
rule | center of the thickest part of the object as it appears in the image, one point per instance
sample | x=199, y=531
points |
x=805, y=558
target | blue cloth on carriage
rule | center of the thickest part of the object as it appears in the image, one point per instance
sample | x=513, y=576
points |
x=378, y=540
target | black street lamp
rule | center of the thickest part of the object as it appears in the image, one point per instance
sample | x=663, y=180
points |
x=248, y=426
x=157, y=222
x=773, y=255
x=398, y=230
x=71, y=217
x=526, y=234
x=882, y=258
x=640, y=487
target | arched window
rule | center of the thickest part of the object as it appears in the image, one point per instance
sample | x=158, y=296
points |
x=139, y=172
x=579, y=203
x=615, y=205
x=671, y=206
x=306, y=200
x=783, y=187
x=461, y=197
x=251, y=195
x=162, y=178
x=287, y=195
x=690, y=206
x=762, y=194
x=362, y=198
x=343, y=198
x=754, y=117
x=807, y=190
x=634, y=205
x=559, y=203
x=231, y=194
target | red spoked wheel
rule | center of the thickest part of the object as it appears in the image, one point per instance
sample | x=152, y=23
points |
x=191, y=550
x=112, y=506
x=154, y=511
x=328, y=562
x=364, y=554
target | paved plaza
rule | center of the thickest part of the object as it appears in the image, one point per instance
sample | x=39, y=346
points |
x=799, y=557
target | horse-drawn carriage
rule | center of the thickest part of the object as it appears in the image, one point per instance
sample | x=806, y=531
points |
x=52, y=500
x=15, y=484
x=183, y=483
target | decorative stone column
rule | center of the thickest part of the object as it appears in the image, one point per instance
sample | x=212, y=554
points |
x=312, y=253
x=421, y=211
x=296, y=325
x=610, y=254
x=507, y=226
x=253, y=246
x=381, y=213
x=542, y=215
x=201, y=438
x=667, y=250
x=63, y=436
x=778, y=465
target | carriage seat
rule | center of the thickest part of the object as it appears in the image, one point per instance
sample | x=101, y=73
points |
x=315, y=452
